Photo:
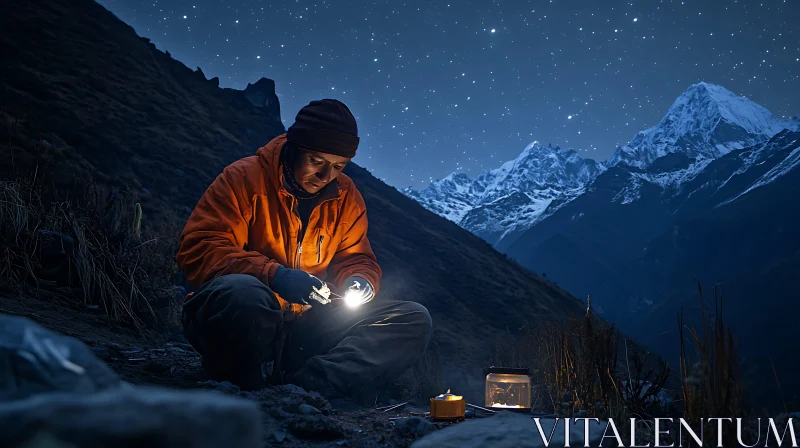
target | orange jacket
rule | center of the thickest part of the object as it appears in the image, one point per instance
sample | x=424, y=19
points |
x=246, y=223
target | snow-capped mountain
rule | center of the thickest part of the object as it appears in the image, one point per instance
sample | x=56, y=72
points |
x=706, y=121
x=587, y=242
x=512, y=196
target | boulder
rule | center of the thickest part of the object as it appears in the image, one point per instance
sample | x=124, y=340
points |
x=508, y=429
x=35, y=360
x=131, y=416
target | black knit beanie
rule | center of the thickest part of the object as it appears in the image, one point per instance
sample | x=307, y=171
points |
x=326, y=126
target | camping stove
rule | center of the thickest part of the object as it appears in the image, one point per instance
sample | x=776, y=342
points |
x=448, y=407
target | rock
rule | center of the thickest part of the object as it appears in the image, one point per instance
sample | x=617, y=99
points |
x=315, y=427
x=291, y=388
x=345, y=404
x=262, y=95
x=279, y=436
x=307, y=409
x=508, y=429
x=415, y=426
x=35, y=360
x=225, y=386
x=180, y=345
x=152, y=417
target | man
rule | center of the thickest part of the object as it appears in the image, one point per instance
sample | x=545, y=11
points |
x=266, y=244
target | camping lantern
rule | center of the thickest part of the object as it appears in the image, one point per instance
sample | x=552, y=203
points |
x=448, y=407
x=508, y=389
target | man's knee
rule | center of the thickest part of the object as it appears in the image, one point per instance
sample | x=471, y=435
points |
x=241, y=290
x=237, y=292
x=234, y=299
x=418, y=316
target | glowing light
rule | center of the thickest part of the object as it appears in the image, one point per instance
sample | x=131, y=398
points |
x=352, y=299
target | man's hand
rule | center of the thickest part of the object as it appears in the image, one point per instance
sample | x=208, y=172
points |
x=298, y=286
x=357, y=291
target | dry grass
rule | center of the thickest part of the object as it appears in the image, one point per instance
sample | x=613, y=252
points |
x=89, y=248
x=575, y=370
x=712, y=385
x=577, y=362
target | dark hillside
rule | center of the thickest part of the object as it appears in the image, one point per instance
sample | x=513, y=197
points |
x=110, y=106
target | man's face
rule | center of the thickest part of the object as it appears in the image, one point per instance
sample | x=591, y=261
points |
x=313, y=170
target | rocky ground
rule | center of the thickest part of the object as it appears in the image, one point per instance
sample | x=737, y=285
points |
x=290, y=415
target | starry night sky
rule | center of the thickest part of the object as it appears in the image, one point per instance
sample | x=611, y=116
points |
x=443, y=86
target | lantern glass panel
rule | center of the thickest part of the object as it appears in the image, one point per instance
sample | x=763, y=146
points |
x=505, y=390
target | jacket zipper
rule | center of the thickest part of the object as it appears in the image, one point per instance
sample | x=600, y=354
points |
x=299, y=250
x=300, y=232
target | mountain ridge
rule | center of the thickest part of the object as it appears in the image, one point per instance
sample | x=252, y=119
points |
x=703, y=123
x=523, y=187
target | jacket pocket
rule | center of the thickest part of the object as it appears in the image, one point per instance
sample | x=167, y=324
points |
x=320, y=240
x=314, y=247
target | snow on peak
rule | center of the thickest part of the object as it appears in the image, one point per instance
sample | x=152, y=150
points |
x=703, y=101
x=538, y=167
x=706, y=121
x=538, y=171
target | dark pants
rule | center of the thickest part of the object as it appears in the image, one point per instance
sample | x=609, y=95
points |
x=234, y=321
